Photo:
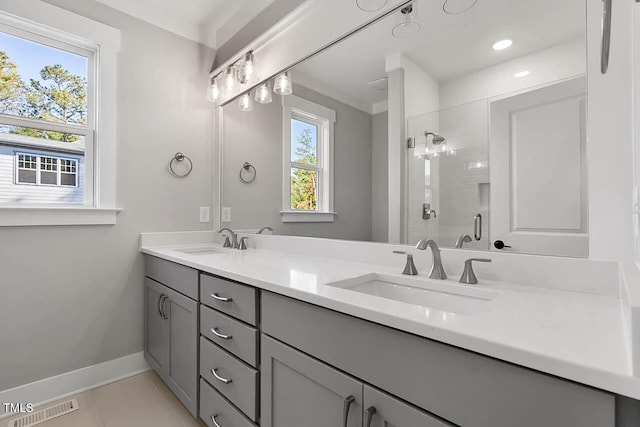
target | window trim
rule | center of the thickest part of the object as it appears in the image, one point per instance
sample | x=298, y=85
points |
x=45, y=20
x=324, y=118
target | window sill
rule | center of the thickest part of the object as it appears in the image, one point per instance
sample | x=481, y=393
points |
x=302, y=216
x=17, y=216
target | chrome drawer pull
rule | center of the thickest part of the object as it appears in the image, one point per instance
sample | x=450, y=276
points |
x=219, y=298
x=370, y=412
x=345, y=410
x=213, y=418
x=219, y=378
x=219, y=335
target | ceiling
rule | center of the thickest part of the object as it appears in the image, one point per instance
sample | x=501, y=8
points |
x=447, y=46
x=210, y=22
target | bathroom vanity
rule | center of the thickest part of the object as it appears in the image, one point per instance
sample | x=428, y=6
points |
x=288, y=340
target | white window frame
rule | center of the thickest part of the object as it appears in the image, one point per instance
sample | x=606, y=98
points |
x=38, y=170
x=50, y=25
x=324, y=118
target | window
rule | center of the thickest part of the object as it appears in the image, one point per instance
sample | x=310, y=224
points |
x=57, y=81
x=308, y=161
x=46, y=171
x=46, y=104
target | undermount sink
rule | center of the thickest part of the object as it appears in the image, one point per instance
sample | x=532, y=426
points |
x=444, y=296
x=203, y=250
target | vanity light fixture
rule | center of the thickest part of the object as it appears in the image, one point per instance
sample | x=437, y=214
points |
x=370, y=5
x=248, y=73
x=215, y=92
x=502, y=44
x=282, y=84
x=408, y=25
x=521, y=74
x=230, y=79
x=263, y=94
x=246, y=102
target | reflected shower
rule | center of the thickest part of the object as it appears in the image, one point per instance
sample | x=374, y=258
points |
x=437, y=139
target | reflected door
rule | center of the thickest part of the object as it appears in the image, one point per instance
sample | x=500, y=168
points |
x=538, y=171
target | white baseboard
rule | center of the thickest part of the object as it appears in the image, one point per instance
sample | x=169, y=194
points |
x=74, y=382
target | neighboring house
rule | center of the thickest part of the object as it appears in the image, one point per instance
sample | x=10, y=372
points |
x=34, y=170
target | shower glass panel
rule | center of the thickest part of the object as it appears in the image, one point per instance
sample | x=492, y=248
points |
x=448, y=181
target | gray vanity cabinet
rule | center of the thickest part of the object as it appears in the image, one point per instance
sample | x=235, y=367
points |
x=171, y=329
x=157, y=335
x=464, y=388
x=300, y=391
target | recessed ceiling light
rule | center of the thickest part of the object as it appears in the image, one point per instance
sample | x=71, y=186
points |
x=521, y=74
x=502, y=44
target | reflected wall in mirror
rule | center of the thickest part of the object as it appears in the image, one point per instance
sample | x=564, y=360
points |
x=485, y=137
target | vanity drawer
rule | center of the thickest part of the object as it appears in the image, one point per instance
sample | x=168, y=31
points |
x=212, y=404
x=241, y=390
x=242, y=341
x=177, y=277
x=232, y=298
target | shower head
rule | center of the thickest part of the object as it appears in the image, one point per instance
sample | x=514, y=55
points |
x=437, y=139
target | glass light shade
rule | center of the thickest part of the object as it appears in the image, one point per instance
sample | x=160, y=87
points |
x=455, y=7
x=214, y=91
x=408, y=25
x=263, y=94
x=230, y=79
x=249, y=73
x=245, y=103
x=370, y=5
x=282, y=84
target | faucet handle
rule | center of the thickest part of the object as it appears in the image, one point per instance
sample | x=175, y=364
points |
x=468, y=276
x=243, y=243
x=227, y=242
x=409, y=268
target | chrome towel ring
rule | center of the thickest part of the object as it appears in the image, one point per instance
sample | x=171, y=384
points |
x=178, y=158
x=248, y=173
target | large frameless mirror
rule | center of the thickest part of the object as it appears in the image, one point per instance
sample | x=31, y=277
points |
x=476, y=110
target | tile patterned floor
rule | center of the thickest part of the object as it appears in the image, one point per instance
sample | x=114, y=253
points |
x=139, y=401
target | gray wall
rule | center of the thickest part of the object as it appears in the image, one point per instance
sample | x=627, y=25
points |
x=380, y=178
x=256, y=137
x=73, y=296
x=258, y=25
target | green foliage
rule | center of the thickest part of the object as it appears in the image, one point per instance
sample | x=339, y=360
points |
x=304, y=183
x=11, y=86
x=61, y=97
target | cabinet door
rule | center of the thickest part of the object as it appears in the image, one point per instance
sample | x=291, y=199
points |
x=156, y=338
x=383, y=410
x=182, y=322
x=297, y=390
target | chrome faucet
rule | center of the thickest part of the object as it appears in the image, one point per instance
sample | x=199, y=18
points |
x=468, y=276
x=464, y=238
x=437, y=270
x=263, y=229
x=234, y=237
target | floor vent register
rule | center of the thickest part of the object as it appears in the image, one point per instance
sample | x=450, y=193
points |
x=45, y=414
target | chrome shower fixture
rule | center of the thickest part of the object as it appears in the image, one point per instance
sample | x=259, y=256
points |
x=437, y=139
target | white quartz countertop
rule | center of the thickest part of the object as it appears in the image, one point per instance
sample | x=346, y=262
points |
x=577, y=336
